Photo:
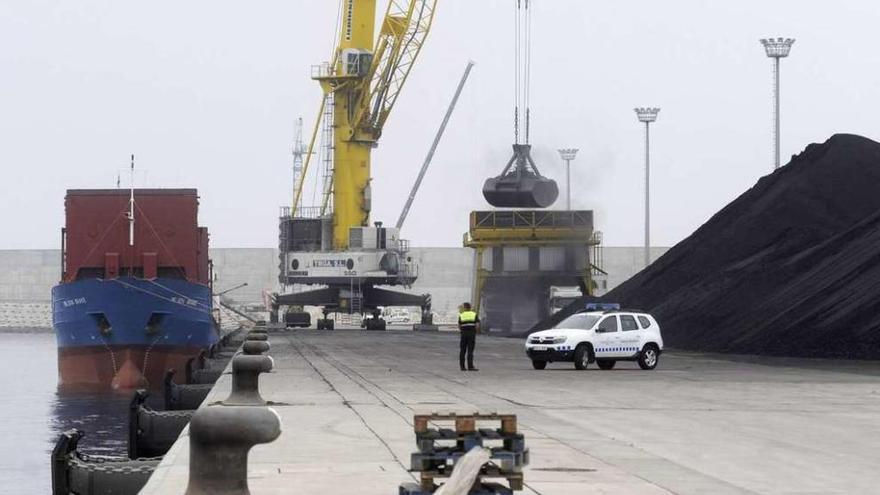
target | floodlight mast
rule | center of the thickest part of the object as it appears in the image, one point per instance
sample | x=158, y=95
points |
x=647, y=116
x=568, y=155
x=776, y=49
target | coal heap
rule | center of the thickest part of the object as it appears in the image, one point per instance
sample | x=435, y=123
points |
x=790, y=268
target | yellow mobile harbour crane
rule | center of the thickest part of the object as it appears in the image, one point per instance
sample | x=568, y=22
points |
x=333, y=245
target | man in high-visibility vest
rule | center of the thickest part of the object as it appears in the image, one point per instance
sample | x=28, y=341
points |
x=468, y=324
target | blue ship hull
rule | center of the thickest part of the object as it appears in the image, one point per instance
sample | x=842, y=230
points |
x=126, y=332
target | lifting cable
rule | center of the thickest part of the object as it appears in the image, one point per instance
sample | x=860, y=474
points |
x=517, y=73
x=528, y=69
x=522, y=69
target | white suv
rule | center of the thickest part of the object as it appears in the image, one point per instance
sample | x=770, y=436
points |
x=603, y=337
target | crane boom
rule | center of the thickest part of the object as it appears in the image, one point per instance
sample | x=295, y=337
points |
x=366, y=80
x=430, y=155
x=404, y=31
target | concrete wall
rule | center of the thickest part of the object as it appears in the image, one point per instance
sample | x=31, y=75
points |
x=258, y=267
x=27, y=276
x=445, y=273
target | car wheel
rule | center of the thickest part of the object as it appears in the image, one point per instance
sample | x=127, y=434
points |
x=606, y=364
x=539, y=365
x=649, y=357
x=581, y=357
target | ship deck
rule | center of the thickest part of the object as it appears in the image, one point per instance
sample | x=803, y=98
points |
x=697, y=424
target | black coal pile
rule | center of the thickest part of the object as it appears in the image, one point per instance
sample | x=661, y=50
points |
x=790, y=268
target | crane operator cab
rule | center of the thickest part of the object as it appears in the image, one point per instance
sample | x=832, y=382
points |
x=356, y=62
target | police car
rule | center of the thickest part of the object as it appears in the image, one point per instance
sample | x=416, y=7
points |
x=600, y=336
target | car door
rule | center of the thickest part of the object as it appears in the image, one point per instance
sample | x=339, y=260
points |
x=630, y=335
x=607, y=339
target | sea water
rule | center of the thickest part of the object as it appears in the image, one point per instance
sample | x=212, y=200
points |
x=33, y=412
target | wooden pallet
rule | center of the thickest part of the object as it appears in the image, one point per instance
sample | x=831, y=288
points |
x=436, y=457
x=446, y=458
x=441, y=438
x=465, y=423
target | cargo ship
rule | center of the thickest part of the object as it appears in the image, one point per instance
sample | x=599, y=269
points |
x=135, y=295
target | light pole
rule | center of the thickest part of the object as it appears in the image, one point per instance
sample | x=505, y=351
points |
x=568, y=155
x=646, y=116
x=776, y=49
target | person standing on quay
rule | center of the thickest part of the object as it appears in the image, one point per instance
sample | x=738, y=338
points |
x=468, y=324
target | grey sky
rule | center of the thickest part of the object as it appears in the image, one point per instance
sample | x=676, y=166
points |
x=206, y=94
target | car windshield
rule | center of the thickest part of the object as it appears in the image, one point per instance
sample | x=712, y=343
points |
x=582, y=321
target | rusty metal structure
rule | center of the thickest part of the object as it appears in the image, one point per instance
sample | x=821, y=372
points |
x=521, y=254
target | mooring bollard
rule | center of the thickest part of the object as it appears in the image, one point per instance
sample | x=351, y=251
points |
x=219, y=441
x=246, y=380
x=255, y=347
x=256, y=336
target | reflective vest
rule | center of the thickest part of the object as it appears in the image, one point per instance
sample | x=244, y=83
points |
x=467, y=320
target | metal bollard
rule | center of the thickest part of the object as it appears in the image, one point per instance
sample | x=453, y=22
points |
x=255, y=347
x=246, y=380
x=219, y=441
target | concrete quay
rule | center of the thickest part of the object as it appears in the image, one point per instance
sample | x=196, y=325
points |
x=699, y=424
